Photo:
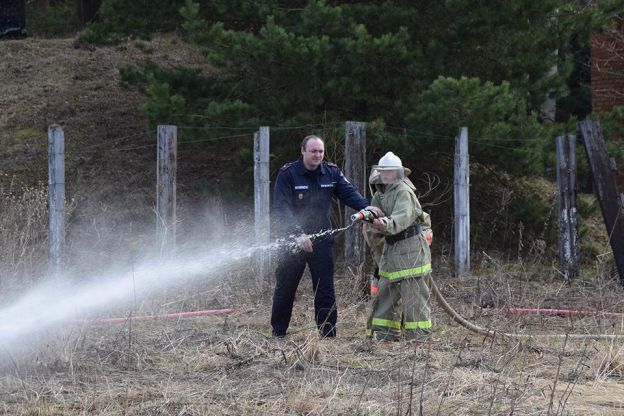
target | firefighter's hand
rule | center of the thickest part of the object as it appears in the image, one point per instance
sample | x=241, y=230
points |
x=375, y=210
x=379, y=223
x=304, y=242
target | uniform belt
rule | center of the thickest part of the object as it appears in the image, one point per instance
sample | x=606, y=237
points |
x=410, y=231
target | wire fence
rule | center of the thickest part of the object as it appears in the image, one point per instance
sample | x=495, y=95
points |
x=281, y=136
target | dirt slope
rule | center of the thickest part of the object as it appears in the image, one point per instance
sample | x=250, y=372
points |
x=110, y=169
x=58, y=81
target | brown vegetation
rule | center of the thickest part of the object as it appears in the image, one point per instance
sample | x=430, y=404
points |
x=229, y=365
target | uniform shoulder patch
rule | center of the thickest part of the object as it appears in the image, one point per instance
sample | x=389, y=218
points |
x=286, y=166
x=333, y=165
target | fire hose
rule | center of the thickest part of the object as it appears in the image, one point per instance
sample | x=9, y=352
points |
x=368, y=216
x=493, y=334
x=177, y=315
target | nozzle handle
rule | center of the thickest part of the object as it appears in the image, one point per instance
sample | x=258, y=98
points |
x=363, y=215
x=358, y=216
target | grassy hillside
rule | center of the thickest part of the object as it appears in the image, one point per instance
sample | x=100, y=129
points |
x=110, y=153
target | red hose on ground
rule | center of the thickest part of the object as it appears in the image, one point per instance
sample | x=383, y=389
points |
x=562, y=312
x=105, y=321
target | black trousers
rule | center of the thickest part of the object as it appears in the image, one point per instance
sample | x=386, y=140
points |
x=290, y=268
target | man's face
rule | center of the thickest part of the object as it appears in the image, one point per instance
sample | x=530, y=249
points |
x=388, y=176
x=313, y=153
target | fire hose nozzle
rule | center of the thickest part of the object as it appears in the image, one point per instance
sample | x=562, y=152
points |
x=363, y=215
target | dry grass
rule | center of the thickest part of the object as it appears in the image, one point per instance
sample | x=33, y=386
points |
x=229, y=365
x=23, y=230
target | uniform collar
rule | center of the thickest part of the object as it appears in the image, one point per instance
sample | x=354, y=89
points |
x=301, y=169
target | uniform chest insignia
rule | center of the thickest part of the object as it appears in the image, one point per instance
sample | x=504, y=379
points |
x=300, y=196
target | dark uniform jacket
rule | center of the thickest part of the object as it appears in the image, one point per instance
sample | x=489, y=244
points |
x=302, y=198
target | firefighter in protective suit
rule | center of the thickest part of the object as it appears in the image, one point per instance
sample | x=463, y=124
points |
x=399, y=243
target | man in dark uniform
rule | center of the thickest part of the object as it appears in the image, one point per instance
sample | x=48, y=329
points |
x=302, y=203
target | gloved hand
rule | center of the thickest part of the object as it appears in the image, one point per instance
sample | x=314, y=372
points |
x=380, y=223
x=304, y=242
x=378, y=212
x=367, y=214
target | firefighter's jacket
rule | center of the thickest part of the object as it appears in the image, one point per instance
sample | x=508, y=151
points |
x=409, y=257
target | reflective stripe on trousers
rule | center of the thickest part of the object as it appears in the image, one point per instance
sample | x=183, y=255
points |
x=413, y=272
x=385, y=323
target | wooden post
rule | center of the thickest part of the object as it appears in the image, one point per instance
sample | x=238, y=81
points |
x=462, y=204
x=566, y=204
x=604, y=184
x=56, y=196
x=355, y=171
x=166, y=167
x=261, y=204
x=562, y=209
x=574, y=246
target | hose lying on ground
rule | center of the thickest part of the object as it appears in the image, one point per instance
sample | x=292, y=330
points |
x=562, y=312
x=493, y=334
x=177, y=315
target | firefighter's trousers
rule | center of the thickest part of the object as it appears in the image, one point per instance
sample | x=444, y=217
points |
x=401, y=308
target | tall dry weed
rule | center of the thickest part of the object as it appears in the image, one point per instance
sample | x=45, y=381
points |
x=23, y=231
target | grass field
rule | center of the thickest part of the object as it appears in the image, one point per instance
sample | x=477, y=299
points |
x=230, y=365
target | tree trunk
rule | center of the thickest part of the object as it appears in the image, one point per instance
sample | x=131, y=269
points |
x=42, y=4
x=88, y=10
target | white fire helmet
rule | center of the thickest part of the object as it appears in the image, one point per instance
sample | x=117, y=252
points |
x=388, y=163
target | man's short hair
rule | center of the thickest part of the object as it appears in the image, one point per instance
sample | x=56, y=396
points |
x=308, y=138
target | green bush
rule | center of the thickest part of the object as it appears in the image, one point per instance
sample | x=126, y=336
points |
x=500, y=130
x=60, y=19
x=119, y=19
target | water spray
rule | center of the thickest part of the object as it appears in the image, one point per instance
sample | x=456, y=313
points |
x=54, y=303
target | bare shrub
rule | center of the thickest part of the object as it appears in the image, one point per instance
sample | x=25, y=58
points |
x=609, y=362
